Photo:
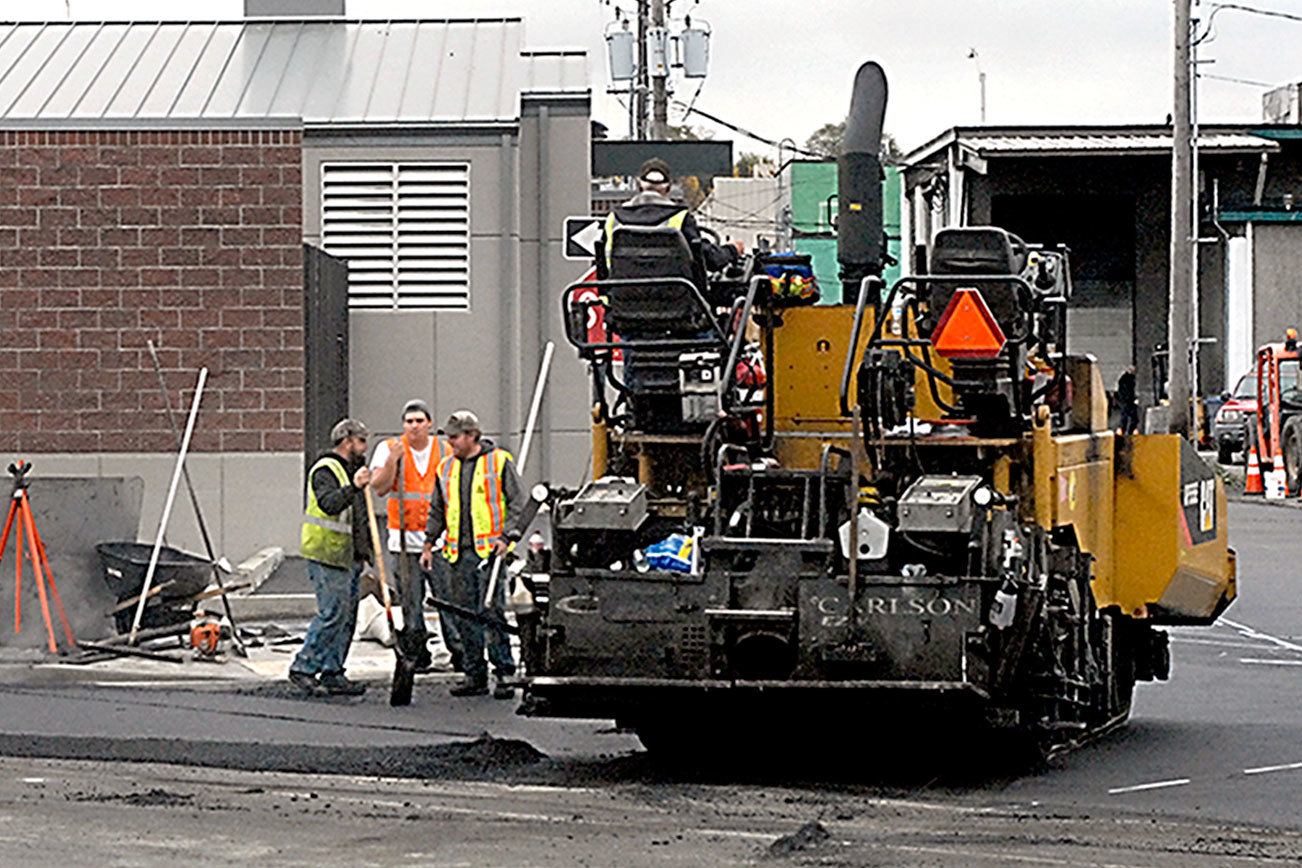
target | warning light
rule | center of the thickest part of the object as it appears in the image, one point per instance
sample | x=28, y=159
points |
x=1290, y=338
x=967, y=329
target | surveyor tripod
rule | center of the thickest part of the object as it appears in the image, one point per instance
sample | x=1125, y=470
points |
x=20, y=511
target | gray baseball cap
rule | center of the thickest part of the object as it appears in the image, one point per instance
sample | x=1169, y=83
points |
x=418, y=406
x=346, y=428
x=460, y=422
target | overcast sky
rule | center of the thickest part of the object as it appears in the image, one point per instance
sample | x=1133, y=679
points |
x=784, y=67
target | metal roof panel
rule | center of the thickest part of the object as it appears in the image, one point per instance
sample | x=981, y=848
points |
x=335, y=71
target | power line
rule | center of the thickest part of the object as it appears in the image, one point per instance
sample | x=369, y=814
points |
x=1234, y=80
x=745, y=132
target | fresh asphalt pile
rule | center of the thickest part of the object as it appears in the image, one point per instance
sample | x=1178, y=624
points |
x=484, y=758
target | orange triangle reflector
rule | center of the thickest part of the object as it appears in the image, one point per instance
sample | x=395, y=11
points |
x=967, y=329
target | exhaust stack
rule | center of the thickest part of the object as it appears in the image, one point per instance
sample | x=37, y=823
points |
x=859, y=240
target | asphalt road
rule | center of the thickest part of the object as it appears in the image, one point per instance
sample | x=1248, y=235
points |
x=1209, y=771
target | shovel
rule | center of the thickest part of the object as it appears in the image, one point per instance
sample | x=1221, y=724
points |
x=404, y=670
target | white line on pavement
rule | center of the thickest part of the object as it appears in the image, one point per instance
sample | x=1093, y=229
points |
x=1220, y=643
x=1155, y=785
x=1252, y=633
x=1262, y=662
x=1263, y=769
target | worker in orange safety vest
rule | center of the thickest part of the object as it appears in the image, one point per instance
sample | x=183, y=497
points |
x=406, y=468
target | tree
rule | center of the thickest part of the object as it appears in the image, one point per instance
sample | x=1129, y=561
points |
x=826, y=140
x=746, y=163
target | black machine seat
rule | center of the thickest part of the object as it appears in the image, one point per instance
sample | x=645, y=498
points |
x=656, y=310
x=978, y=250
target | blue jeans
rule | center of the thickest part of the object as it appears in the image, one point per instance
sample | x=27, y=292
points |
x=469, y=584
x=330, y=634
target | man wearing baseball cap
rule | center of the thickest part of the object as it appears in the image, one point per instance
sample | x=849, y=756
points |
x=473, y=509
x=653, y=207
x=334, y=560
x=404, y=468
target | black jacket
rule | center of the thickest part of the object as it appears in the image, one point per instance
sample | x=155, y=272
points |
x=652, y=209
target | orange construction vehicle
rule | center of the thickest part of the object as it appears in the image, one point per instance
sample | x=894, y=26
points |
x=1279, y=420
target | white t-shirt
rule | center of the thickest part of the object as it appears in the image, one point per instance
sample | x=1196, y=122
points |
x=415, y=538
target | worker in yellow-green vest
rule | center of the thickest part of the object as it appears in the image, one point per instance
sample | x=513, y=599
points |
x=653, y=207
x=475, y=497
x=334, y=563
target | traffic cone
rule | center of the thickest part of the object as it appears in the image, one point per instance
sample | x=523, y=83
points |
x=1252, y=483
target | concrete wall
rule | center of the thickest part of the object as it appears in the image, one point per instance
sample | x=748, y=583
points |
x=484, y=358
x=249, y=500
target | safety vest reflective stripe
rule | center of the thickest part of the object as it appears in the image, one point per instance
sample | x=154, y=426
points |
x=674, y=220
x=336, y=526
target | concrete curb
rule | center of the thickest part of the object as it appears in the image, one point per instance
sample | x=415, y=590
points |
x=262, y=607
x=258, y=568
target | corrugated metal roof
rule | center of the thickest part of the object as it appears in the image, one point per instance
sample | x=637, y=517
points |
x=1108, y=142
x=325, y=72
x=1096, y=141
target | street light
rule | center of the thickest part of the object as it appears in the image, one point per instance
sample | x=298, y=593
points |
x=981, y=79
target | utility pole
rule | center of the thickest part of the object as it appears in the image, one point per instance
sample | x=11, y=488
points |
x=659, y=77
x=1182, y=230
x=642, y=82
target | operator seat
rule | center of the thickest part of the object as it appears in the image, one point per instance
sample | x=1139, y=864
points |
x=657, y=311
x=977, y=250
x=667, y=310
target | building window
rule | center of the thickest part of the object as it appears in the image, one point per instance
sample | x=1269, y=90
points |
x=404, y=229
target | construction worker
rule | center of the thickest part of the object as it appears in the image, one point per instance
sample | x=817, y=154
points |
x=404, y=468
x=474, y=502
x=1127, y=402
x=334, y=564
x=653, y=207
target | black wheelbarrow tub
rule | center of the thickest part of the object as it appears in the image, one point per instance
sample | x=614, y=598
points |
x=125, y=564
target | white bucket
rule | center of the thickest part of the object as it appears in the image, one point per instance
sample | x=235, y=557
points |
x=1275, y=482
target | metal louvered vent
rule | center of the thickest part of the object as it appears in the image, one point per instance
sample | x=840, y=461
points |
x=404, y=229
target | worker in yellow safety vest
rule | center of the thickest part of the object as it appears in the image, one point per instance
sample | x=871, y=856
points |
x=405, y=468
x=475, y=497
x=334, y=562
x=653, y=207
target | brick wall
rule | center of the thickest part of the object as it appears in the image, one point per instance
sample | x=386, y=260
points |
x=191, y=239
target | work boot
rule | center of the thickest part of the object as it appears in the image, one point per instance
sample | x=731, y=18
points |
x=306, y=682
x=503, y=691
x=470, y=688
x=336, y=684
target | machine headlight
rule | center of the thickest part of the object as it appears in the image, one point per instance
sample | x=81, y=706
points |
x=1225, y=416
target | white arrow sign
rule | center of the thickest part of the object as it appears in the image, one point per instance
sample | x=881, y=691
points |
x=581, y=237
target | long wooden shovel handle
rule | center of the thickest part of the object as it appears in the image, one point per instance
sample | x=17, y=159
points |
x=377, y=553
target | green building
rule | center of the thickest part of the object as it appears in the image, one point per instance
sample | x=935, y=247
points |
x=812, y=196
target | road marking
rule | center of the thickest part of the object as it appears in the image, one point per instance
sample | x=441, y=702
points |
x=1001, y=857
x=33, y=780
x=1155, y=785
x=1252, y=633
x=1264, y=769
x=1270, y=662
x=1221, y=643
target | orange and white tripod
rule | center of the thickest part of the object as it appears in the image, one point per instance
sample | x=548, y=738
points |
x=20, y=510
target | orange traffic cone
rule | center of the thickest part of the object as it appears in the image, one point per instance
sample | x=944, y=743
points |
x=1252, y=483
